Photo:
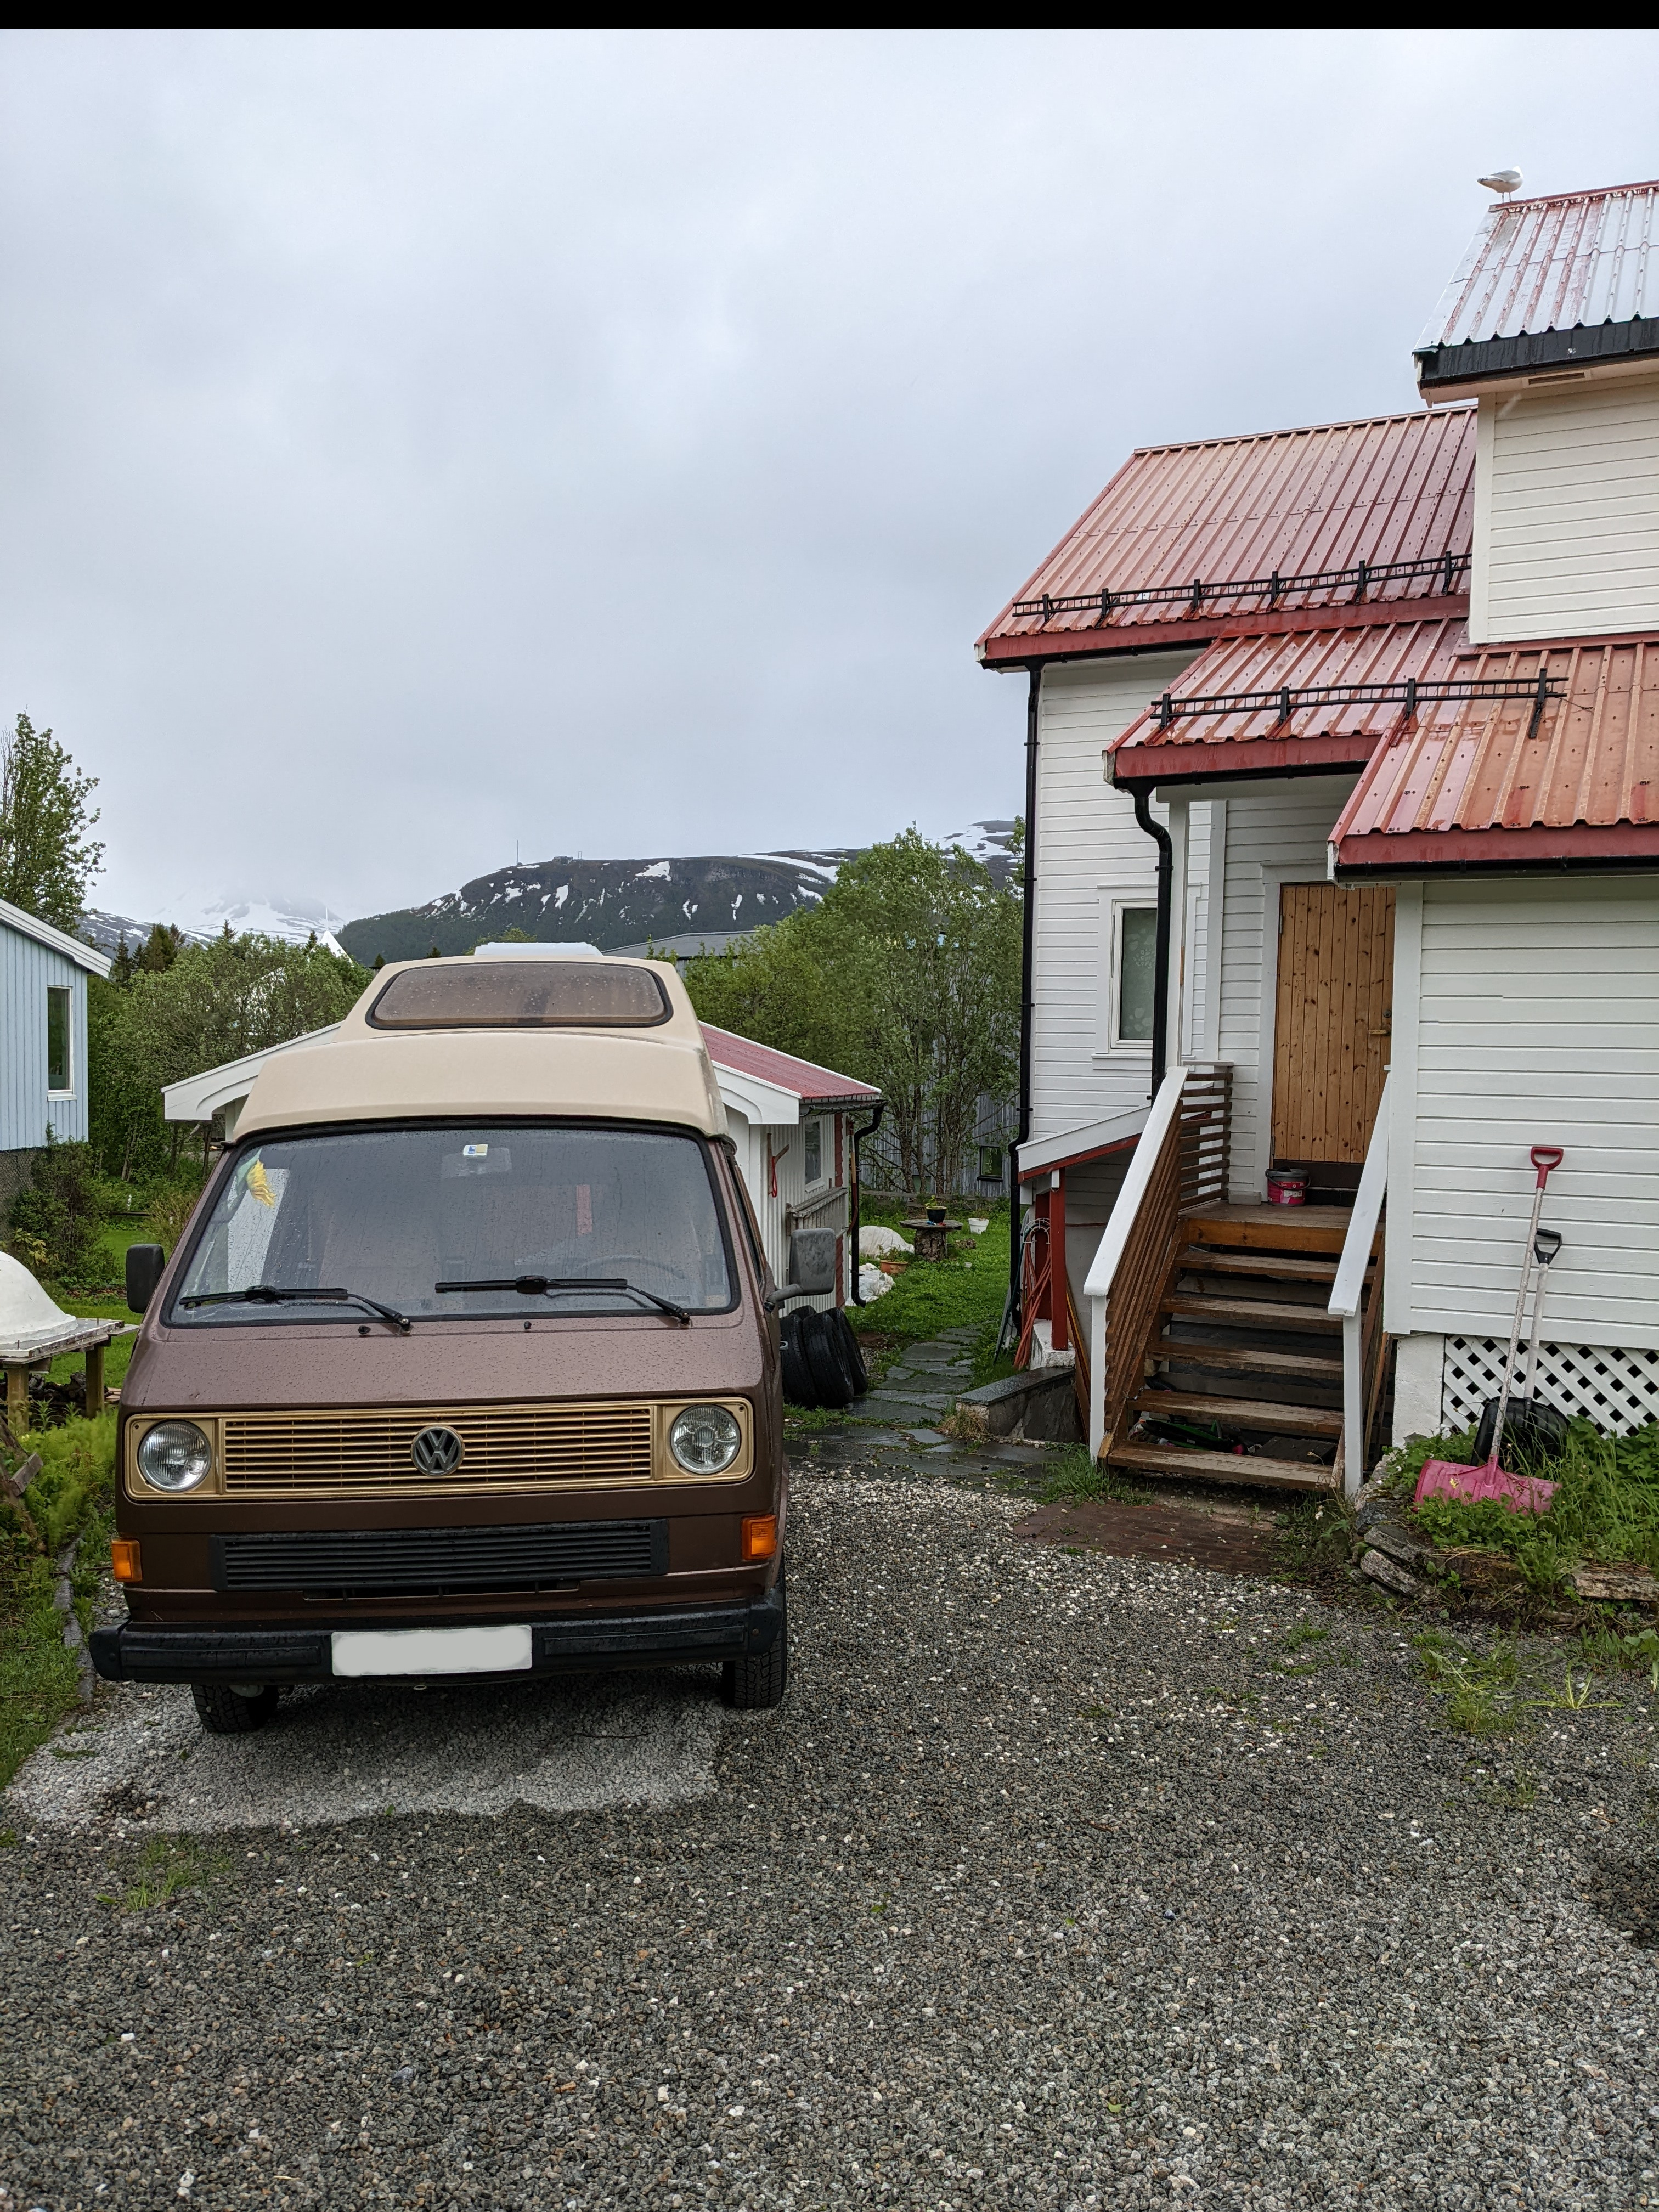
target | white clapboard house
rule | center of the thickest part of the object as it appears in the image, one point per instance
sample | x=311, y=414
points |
x=43, y=1042
x=1343, y=787
x=796, y=1129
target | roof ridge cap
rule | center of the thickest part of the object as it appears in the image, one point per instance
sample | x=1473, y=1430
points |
x=1585, y=192
x=1301, y=429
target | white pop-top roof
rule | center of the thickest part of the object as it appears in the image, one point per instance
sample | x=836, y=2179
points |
x=765, y=1087
x=28, y=925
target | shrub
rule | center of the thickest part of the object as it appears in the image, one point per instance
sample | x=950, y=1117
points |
x=57, y=1223
x=1606, y=1505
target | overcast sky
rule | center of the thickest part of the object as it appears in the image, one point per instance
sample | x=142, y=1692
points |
x=611, y=444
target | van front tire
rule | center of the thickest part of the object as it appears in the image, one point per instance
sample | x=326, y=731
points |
x=756, y=1685
x=224, y=1711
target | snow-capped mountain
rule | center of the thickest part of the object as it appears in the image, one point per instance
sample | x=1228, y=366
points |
x=293, y=921
x=678, y=904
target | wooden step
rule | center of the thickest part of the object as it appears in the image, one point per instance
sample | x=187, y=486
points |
x=1178, y=1466
x=1246, y=1359
x=1272, y=1228
x=1239, y=1412
x=1246, y=1313
x=1198, y=1259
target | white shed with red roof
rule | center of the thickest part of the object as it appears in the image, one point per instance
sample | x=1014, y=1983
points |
x=795, y=1126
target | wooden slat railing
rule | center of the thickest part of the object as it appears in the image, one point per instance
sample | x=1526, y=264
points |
x=1180, y=1162
x=1205, y=1117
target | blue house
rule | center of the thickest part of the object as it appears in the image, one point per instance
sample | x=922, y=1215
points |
x=43, y=1040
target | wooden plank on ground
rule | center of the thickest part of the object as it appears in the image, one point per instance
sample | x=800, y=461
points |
x=1226, y=1543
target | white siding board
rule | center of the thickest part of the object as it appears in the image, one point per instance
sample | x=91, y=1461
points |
x=1567, y=513
x=1086, y=837
x=1580, y=1069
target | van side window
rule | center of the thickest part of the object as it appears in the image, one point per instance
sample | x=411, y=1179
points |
x=752, y=1227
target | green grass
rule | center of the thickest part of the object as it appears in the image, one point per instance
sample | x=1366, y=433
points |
x=38, y=1677
x=73, y=1495
x=168, y=1865
x=1072, y=1476
x=966, y=1289
x=1605, y=1509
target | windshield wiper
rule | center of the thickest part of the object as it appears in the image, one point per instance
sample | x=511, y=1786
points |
x=542, y=1286
x=270, y=1294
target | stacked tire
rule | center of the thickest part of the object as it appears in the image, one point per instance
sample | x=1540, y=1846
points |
x=823, y=1365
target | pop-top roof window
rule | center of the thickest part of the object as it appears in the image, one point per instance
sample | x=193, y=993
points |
x=495, y=994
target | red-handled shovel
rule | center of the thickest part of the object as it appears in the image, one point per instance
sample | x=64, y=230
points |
x=1489, y=1483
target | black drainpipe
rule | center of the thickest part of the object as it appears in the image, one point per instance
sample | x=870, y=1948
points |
x=858, y=1135
x=1026, y=965
x=1161, y=951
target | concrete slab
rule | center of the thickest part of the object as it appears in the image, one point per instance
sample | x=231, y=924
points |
x=348, y=1751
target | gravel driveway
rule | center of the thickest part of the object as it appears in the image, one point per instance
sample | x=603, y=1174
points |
x=1059, y=1880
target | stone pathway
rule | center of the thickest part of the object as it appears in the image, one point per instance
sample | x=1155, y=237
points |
x=894, y=1432
x=922, y=1384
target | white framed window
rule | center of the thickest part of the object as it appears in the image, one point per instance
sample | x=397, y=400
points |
x=1129, y=964
x=814, y=1151
x=60, y=1037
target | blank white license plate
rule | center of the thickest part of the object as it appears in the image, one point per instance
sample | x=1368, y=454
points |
x=431, y=1650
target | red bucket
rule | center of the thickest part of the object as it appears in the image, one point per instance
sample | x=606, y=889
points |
x=1287, y=1187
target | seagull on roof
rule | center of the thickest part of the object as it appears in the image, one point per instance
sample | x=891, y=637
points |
x=1502, y=180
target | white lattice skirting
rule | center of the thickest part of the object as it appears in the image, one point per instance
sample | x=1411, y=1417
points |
x=1618, y=1390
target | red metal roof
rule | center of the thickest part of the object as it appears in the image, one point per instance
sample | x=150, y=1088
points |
x=1319, y=734
x=1396, y=488
x=811, y=1085
x=1474, y=784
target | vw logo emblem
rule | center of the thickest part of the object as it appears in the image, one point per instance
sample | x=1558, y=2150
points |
x=436, y=1451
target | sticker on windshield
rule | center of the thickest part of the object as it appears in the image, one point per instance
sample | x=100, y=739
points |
x=256, y=1184
x=475, y=1151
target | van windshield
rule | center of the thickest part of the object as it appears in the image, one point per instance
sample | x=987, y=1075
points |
x=389, y=1213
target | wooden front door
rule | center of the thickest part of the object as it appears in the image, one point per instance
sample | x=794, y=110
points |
x=1333, y=1017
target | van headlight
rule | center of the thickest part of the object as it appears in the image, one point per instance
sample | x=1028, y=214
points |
x=175, y=1455
x=705, y=1439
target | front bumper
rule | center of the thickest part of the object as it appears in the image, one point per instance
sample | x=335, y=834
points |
x=683, y=1636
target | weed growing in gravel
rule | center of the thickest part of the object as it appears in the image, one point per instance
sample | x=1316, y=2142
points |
x=1480, y=1688
x=167, y=1865
x=1572, y=1698
x=1513, y=1795
x=1315, y=1542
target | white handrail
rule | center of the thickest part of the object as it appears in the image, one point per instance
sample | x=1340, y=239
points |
x=1348, y=1291
x=1108, y=1253
x=1367, y=1212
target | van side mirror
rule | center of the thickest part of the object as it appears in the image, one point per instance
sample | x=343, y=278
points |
x=144, y=1265
x=812, y=1261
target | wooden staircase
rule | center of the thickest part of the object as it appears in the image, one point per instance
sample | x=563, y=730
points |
x=1244, y=1349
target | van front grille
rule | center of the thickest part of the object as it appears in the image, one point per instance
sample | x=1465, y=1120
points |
x=371, y=1451
x=329, y=1563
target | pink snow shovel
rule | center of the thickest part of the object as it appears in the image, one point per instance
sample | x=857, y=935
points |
x=1490, y=1484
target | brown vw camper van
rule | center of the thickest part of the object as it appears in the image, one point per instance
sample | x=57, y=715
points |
x=467, y=1363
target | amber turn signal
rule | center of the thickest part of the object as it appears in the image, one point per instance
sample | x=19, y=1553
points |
x=760, y=1536
x=123, y=1558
